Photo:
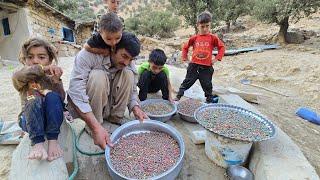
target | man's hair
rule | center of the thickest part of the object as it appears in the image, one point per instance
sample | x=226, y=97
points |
x=37, y=42
x=204, y=17
x=110, y=22
x=129, y=42
x=158, y=57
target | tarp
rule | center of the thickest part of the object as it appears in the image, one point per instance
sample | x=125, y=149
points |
x=10, y=132
x=232, y=52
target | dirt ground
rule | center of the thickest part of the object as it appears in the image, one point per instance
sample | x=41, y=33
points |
x=292, y=70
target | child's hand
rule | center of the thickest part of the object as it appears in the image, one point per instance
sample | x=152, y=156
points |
x=68, y=116
x=55, y=79
x=106, y=53
x=53, y=70
x=184, y=60
x=45, y=92
x=185, y=64
x=214, y=61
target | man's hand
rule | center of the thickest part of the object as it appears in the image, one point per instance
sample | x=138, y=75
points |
x=171, y=100
x=99, y=134
x=101, y=137
x=139, y=114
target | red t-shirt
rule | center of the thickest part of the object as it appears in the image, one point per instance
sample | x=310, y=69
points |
x=202, y=49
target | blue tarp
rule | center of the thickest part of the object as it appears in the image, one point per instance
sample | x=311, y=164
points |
x=231, y=52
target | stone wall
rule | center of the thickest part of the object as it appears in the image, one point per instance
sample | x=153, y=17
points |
x=42, y=21
x=66, y=49
x=83, y=33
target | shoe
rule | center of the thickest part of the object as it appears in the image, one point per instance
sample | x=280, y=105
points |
x=177, y=98
x=213, y=99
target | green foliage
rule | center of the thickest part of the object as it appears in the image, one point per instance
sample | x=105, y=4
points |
x=230, y=10
x=76, y=9
x=275, y=11
x=150, y=23
x=280, y=11
x=63, y=5
x=190, y=9
x=222, y=10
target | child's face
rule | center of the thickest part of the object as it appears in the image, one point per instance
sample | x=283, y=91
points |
x=113, y=5
x=37, y=55
x=111, y=38
x=155, y=69
x=204, y=28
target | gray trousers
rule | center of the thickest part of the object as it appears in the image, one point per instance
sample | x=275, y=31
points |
x=108, y=97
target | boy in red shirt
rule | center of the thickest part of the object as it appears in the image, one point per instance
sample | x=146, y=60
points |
x=201, y=63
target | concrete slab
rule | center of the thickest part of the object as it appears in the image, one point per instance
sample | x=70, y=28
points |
x=25, y=169
x=220, y=150
x=90, y=166
x=279, y=159
x=197, y=165
x=225, y=151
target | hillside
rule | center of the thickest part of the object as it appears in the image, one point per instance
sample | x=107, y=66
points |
x=127, y=7
x=292, y=69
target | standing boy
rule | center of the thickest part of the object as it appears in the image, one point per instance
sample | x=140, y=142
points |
x=201, y=63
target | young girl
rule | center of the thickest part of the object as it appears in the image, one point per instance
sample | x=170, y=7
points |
x=42, y=94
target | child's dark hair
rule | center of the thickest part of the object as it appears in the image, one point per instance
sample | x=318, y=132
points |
x=110, y=22
x=158, y=57
x=129, y=42
x=204, y=17
x=37, y=42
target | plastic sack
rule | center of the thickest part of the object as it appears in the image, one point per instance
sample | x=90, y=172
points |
x=10, y=132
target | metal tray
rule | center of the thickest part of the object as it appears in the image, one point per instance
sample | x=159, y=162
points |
x=268, y=124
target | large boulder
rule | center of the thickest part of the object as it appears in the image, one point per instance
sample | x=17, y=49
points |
x=295, y=38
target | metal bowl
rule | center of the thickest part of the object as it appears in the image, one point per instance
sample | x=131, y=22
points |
x=236, y=172
x=162, y=117
x=187, y=117
x=134, y=127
